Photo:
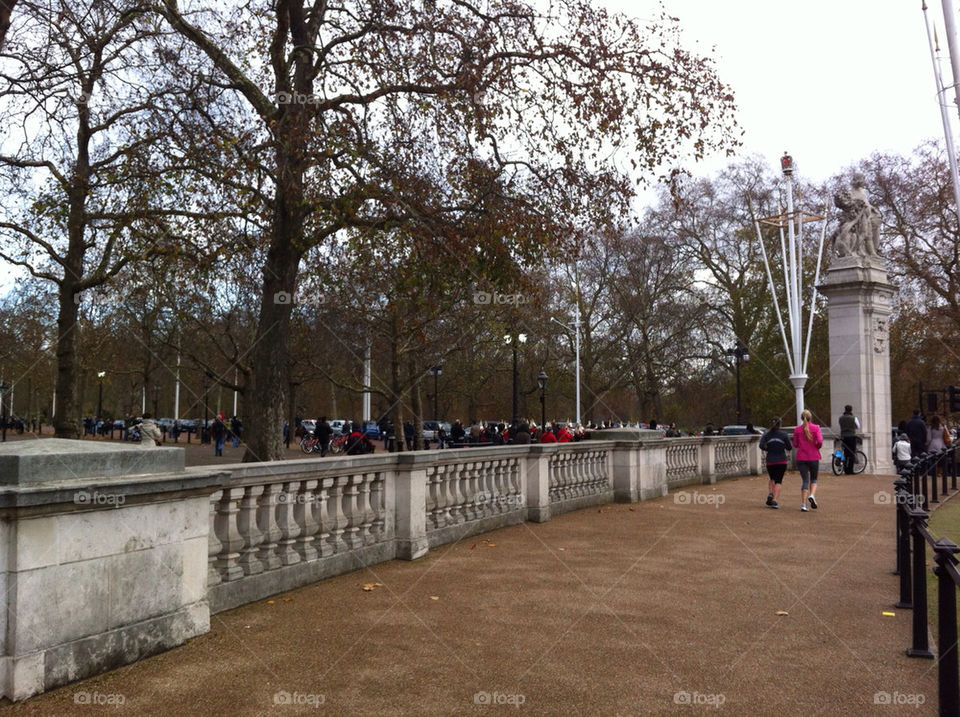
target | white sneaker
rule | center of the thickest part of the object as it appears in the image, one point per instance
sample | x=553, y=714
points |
x=804, y=508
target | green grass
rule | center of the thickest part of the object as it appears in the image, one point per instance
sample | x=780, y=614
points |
x=944, y=523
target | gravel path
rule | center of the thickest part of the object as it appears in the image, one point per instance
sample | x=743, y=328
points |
x=625, y=609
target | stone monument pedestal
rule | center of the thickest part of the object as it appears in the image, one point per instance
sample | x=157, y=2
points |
x=859, y=305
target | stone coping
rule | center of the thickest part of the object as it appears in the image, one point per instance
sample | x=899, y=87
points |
x=53, y=459
x=115, y=490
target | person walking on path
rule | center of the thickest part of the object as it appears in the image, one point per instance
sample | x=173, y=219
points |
x=849, y=425
x=901, y=452
x=236, y=430
x=218, y=432
x=150, y=434
x=938, y=437
x=776, y=444
x=807, y=439
x=917, y=433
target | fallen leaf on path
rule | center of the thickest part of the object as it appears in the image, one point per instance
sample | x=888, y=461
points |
x=368, y=587
x=889, y=614
x=288, y=599
x=270, y=602
x=782, y=612
x=434, y=597
x=473, y=546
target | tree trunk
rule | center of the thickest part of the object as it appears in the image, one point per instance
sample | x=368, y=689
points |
x=416, y=406
x=269, y=372
x=6, y=9
x=396, y=405
x=66, y=422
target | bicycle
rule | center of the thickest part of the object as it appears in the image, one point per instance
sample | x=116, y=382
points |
x=859, y=461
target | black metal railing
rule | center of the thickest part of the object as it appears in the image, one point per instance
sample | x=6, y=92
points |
x=914, y=490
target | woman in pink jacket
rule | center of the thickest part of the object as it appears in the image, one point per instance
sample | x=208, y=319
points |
x=808, y=439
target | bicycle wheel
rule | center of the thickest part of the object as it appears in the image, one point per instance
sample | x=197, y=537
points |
x=337, y=447
x=307, y=445
x=837, y=464
x=859, y=462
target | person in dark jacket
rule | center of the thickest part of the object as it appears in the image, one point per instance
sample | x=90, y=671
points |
x=849, y=425
x=777, y=445
x=218, y=432
x=917, y=433
x=522, y=436
x=323, y=431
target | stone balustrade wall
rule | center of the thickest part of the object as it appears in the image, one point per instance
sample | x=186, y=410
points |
x=276, y=526
x=144, y=550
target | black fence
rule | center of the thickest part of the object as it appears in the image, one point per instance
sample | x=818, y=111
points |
x=914, y=490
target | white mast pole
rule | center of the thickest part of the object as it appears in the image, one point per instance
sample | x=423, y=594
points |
x=944, y=115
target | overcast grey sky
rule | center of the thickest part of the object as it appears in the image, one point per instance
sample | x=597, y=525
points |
x=830, y=81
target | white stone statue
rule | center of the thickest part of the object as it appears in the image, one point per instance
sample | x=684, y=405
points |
x=859, y=230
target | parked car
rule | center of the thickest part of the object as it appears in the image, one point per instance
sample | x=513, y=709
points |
x=309, y=425
x=188, y=425
x=336, y=425
x=734, y=431
x=165, y=424
x=371, y=430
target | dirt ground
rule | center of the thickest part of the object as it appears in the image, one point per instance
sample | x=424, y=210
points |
x=667, y=606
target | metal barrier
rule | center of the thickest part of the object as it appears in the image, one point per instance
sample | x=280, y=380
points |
x=914, y=490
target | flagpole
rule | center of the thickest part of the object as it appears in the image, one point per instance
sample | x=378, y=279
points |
x=944, y=115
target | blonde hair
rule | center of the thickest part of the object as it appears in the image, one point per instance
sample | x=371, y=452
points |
x=806, y=417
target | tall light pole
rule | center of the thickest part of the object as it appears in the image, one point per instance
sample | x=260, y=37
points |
x=576, y=331
x=3, y=409
x=542, y=384
x=515, y=339
x=791, y=249
x=435, y=371
x=100, y=375
x=738, y=354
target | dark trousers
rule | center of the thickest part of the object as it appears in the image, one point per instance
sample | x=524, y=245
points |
x=850, y=449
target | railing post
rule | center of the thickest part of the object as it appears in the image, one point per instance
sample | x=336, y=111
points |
x=411, y=509
x=537, y=472
x=904, y=500
x=934, y=459
x=953, y=467
x=942, y=461
x=921, y=645
x=922, y=476
x=949, y=677
x=899, y=498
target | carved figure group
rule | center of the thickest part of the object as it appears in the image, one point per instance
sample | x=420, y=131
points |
x=859, y=230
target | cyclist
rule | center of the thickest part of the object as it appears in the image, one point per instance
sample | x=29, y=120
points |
x=323, y=432
x=849, y=425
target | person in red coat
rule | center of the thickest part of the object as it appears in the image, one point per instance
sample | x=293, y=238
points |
x=547, y=435
x=563, y=435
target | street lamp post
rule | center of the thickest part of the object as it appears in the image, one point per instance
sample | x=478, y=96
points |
x=515, y=339
x=435, y=371
x=3, y=409
x=542, y=384
x=738, y=354
x=100, y=375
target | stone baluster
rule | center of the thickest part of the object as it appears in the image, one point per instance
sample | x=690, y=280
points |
x=304, y=512
x=354, y=514
x=323, y=543
x=363, y=487
x=470, y=490
x=252, y=536
x=455, y=484
x=376, y=503
x=497, y=481
x=518, y=499
x=338, y=519
x=447, y=476
x=230, y=539
x=433, y=498
x=289, y=529
x=267, y=523
x=214, y=546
